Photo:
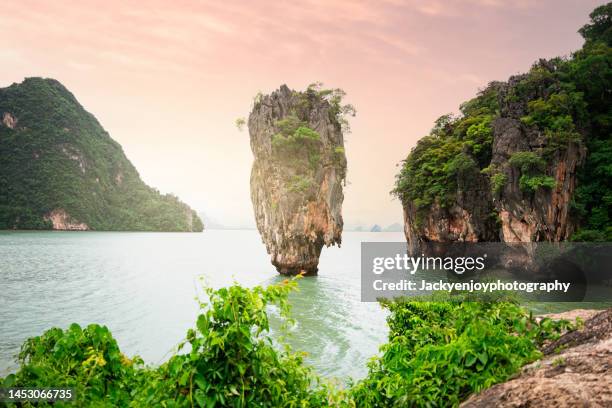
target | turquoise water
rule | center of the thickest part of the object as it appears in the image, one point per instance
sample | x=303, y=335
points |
x=143, y=287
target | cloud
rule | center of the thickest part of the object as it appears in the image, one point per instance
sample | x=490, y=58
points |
x=462, y=8
x=169, y=35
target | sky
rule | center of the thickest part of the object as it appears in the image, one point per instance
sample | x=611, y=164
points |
x=167, y=79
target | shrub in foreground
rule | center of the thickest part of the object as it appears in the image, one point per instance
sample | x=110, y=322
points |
x=438, y=353
x=231, y=362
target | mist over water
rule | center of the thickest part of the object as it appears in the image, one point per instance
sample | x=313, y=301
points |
x=143, y=287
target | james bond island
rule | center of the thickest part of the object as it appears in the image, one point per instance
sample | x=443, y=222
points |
x=298, y=173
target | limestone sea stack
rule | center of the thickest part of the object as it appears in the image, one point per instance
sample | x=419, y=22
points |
x=298, y=174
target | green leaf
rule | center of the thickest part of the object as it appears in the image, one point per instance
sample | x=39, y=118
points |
x=200, y=381
x=200, y=398
x=470, y=360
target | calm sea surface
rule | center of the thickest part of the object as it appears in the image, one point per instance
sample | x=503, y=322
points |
x=143, y=286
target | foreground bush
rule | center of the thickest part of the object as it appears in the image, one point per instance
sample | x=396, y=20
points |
x=232, y=361
x=85, y=359
x=438, y=353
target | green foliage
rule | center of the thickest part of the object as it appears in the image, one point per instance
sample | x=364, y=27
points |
x=480, y=135
x=289, y=124
x=600, y=27
x=231, y=361
x=339, y=156
x=294, y=135
x=533, y=183
x=305, y=133
x=59, y=157
x=299, y=184
x=559, y=361
x=555, y=115
x=527, y=162
x=423, y=178
x=534, y=84
x=460, y=164
x=300, y=138
x=588, y=235
x=531, y=166
x=440, y=352
x=556, y=111
x=485, y=102
x=240, y=123
x=591, y=71
x=86, y=359
x=498, y=181
x=297, y=148
x=338, y=111
x=455, y=147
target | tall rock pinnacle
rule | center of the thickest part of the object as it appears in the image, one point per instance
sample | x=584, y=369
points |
x=298, y=173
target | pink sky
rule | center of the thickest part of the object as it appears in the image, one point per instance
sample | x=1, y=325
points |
x=167, y=80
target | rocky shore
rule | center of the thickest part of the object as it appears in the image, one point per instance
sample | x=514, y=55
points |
x=576, y=370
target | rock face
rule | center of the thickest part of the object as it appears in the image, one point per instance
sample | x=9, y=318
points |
x=9, y=120
x=466, y=220
x=61, y=220
x=580, y=375
x=297, y=176
x=543, y=215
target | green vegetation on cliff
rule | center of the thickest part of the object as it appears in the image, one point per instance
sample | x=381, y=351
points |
x=565, y=100
x=438, y=353
x=55, y=156
x=298, y=148
x=455, y=146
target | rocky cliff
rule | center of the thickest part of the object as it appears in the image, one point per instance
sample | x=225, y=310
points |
x=298, y=174
x=526, y=160
x=59, y=169
x=495, y=202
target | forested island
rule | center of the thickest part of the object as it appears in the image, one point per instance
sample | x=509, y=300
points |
x=525, y=160
x=61, y=170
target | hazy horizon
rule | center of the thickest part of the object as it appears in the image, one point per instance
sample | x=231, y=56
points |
x=168, y=80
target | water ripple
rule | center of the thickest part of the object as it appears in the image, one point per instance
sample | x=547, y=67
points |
x=143, y=285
